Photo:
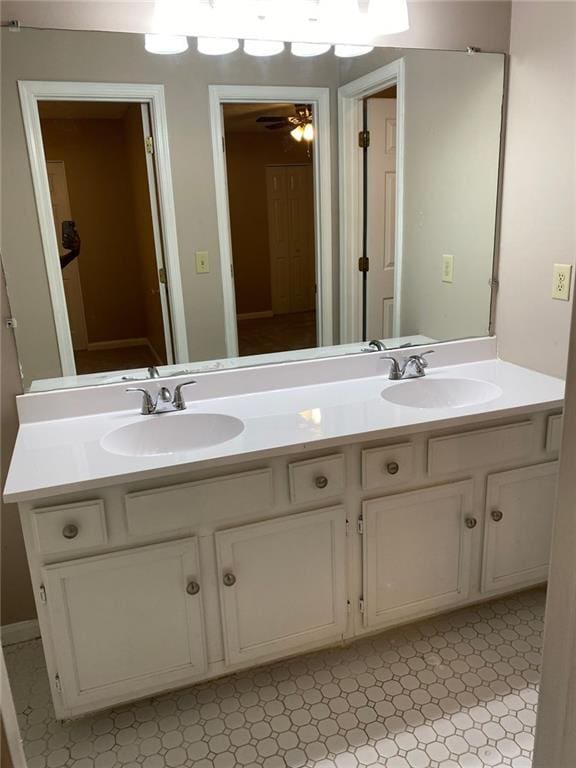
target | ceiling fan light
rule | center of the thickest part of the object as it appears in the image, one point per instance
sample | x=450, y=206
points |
x=297, y=133
x=308, y=132
x=310, y=49
x=263, y=47
x=165, y=44
x=217, y=46
x=349, y=51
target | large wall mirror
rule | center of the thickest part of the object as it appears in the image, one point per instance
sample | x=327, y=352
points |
x=196, y=212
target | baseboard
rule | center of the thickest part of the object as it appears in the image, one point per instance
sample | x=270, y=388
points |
x=255, y=315
x=118, y=344
x=20, y=632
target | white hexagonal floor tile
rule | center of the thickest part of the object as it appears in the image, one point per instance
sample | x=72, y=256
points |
x=456, y=691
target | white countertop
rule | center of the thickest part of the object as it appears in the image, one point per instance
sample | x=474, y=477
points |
x=64, y=455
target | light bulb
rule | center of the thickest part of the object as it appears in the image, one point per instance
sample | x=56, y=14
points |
x=263, y=47
x=217, y=46
x=297, y=133
x=165, y=44
x=310, y=49
x=349, y=51
x=308, y=132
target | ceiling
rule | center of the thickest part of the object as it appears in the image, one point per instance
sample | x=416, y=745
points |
x=82, y=110
x=242, y=118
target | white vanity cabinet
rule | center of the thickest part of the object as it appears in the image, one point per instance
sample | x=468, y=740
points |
x=126, y=623
x=151, y=585
x=416, y=552
x=282, y=584
x=518, y=520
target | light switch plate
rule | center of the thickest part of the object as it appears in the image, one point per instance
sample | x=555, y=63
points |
x=562, y=281
x=202, y=264
x=447, y=268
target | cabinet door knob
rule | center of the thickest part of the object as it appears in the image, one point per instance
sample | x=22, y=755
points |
x=471, y=522
x=229, y=579
x=192, y=587
x=496, y=515
x=70, y=531
x=321, y=481
x=392, y=467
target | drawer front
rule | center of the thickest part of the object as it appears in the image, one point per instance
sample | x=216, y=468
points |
x=486, y=447
x=387, y=467
x=203, y=503
x=70, y=527
x=554, y=433
x=317, y=479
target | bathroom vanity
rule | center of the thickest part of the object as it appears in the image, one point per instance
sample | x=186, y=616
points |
x=335, y=513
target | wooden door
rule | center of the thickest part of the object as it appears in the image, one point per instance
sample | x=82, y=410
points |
x=381, y=200
x=282, y=584
x=290, y=195
x=71, y=273
x=518, y=527
x=417, y=550
x=124, y=624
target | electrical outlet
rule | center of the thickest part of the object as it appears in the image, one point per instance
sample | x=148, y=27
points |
x=447, y=268
x=562, y=281
x=202, y=265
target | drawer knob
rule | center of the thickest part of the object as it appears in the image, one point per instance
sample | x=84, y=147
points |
x=496, y=515
x=321, y=482
x=229, y=579
x=193, y=588
x=392, y=467
x=70, y=531
x=471, y=522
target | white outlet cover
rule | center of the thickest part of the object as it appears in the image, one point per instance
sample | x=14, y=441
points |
x=562, y=282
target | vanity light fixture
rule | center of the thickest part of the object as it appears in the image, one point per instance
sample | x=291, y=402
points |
x=263, y=47
x=165, y=44
x=309, y=49
x=217, y=46
x=350, y=51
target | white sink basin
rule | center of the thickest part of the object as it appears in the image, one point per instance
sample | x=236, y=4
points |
x=441, y=393
x=172, y=433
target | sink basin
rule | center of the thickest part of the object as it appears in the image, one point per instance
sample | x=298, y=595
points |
x=441, y=393
x=172, y=433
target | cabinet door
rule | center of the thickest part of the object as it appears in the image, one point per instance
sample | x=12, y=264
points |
x=518, y=527
x=282, y=584
x=127, y=623
x=416, y=552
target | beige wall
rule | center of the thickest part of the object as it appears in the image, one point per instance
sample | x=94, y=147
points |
x=452, y=148
x=17, y=602
x=247, y=155
x=539, y=196
x=94, y=153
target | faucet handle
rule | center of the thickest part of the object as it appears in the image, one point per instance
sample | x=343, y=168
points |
x=178, y=401
x=147, y=402
x=422, y=358
x=395, y=371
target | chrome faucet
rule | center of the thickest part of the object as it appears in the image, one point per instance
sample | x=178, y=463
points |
x=164, y=402
x=375, y=346
x=413, y=367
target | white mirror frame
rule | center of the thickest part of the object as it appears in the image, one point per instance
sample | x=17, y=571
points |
x=33, y=91
x=320, y=100
x=350, y=98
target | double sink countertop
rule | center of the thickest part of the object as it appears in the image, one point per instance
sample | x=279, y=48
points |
x=66, y=455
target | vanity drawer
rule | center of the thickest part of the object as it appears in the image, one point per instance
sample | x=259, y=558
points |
x=554, y=433
x=70, y=527
x=317, y=479
x=389, y=466
x=204, y=503
x=485, y=447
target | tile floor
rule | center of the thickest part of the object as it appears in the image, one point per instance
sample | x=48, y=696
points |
x=458, y=691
